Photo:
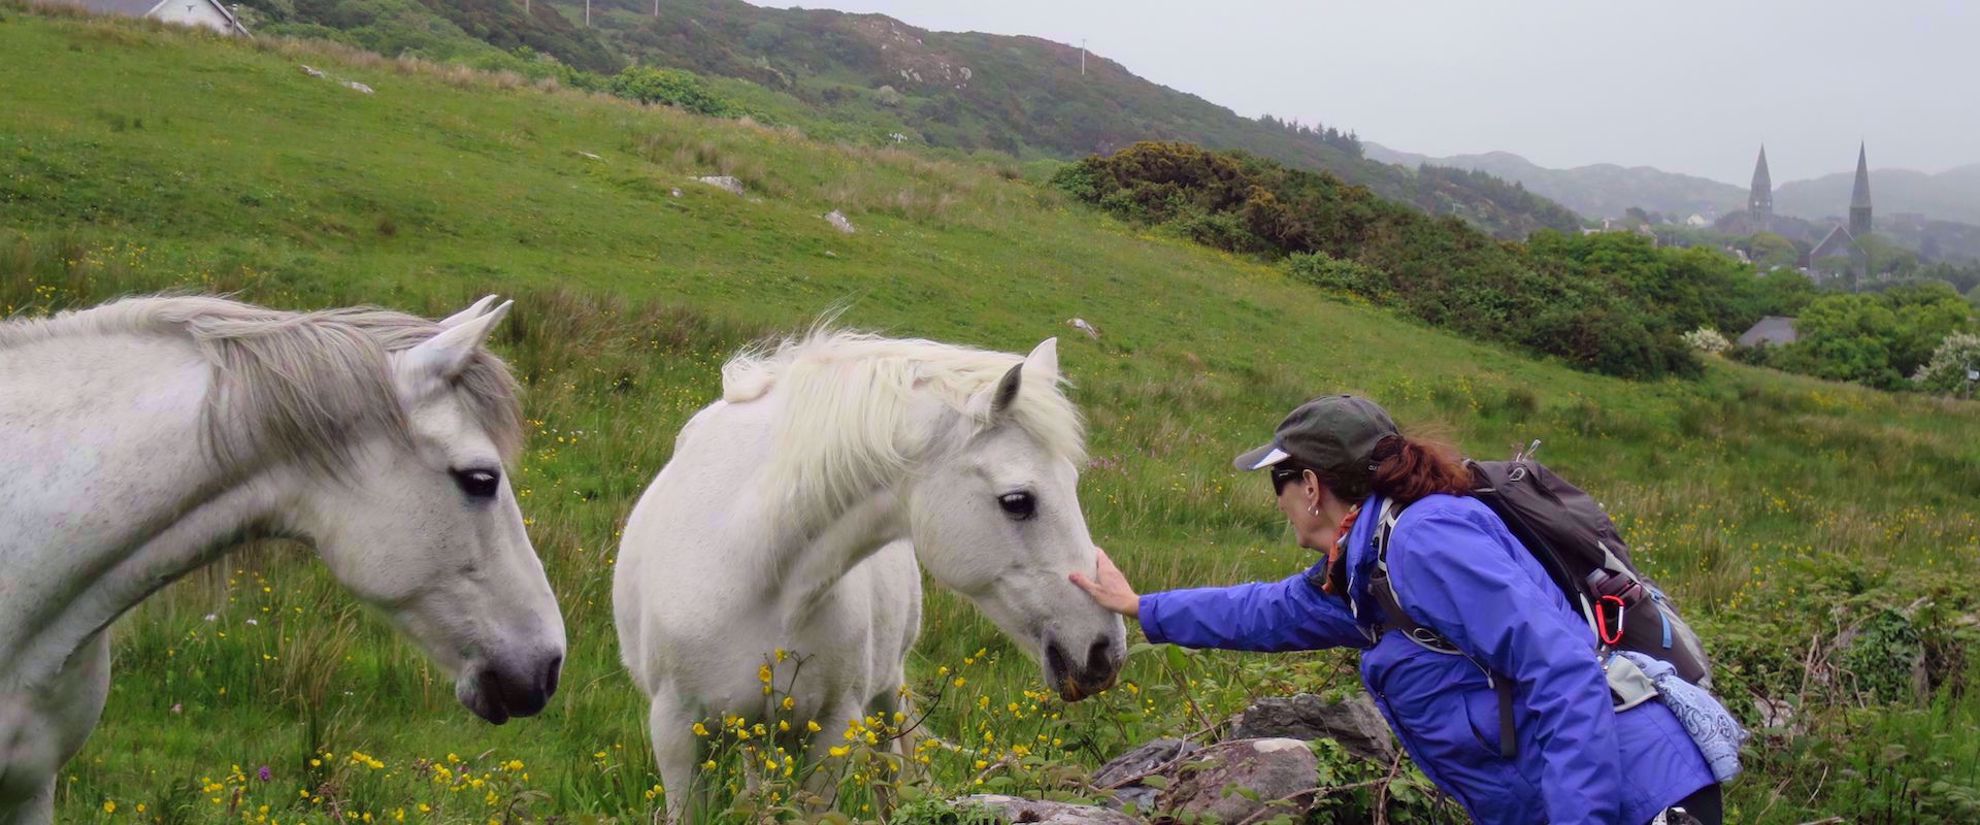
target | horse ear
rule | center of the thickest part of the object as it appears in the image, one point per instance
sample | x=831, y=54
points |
x=475, y=310
x=1041, y=365
x=1043, y=362
x=442, y=357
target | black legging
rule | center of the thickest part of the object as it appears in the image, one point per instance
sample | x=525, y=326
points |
x=1704, y=805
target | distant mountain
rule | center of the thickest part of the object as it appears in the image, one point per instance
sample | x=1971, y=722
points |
x=1952, y=195
x=1603, y=190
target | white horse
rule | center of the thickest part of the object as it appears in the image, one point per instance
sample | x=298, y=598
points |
x=793, y=512
x=143, y=439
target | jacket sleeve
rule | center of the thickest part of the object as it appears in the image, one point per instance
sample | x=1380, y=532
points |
x=1456, y=573
x=1290, y=614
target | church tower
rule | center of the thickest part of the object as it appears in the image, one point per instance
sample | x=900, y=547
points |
x=1859, y=198
x=1760, y=202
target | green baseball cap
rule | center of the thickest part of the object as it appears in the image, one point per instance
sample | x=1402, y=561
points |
x=1334, y=434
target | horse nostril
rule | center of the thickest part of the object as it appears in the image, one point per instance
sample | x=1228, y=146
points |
x=550, y=675
x=1100, y=657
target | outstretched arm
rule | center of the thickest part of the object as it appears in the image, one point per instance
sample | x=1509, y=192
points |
x=1289, y=614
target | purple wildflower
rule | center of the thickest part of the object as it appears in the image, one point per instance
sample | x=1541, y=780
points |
x=265, y=773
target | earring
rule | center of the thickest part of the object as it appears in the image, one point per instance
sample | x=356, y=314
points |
x=1316, y=511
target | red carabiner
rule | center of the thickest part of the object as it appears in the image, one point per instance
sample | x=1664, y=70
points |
x=1602, y=620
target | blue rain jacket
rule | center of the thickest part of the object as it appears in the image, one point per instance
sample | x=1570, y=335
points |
x=1458, y=571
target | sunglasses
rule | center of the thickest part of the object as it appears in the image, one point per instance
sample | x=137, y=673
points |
x=1283, y=475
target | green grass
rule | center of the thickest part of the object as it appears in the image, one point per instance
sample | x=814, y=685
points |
x=134, y=159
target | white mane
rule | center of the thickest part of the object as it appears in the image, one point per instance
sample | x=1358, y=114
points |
x=845, y=429
x=293, y=385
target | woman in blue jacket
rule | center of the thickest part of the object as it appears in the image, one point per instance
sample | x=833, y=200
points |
x=1456, y=570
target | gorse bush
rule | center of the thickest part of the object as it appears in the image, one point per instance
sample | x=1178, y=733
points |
x=672, y=87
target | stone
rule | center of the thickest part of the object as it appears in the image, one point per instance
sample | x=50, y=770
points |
x=312, y=71
x=1016, y=810
x=1354, y=722
x=1234, y=780
x=726, y=183
x=1141, y=761
x=356, y=86
x=676, y=192
x=839, y=221
x=1123, y=774
x=588, y=155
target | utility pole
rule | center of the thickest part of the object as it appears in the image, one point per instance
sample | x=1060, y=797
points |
x=587, y=14
x=1082, y=57
x=656, y=8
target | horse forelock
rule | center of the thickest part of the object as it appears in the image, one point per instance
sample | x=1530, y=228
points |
x=844, y=430
x=296, y=386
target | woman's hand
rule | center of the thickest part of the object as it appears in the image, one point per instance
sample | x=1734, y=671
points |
x=1110, y=588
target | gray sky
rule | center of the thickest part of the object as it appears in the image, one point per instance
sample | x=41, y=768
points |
x=1683, y=85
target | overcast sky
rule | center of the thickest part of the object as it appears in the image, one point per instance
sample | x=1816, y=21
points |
x=1684, y=85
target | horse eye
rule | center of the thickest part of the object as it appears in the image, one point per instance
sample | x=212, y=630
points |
x=1019, y=506
x=477, y=483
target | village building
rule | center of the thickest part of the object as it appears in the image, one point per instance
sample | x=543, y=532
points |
x=209, y=14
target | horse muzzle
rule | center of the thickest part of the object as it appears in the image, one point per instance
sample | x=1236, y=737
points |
x=1079, y=678
x=498, y=690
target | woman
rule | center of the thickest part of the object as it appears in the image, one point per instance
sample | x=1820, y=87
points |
x=1456, y=570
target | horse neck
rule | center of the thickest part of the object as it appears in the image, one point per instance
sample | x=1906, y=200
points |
x=119, y=496
x=803, y=562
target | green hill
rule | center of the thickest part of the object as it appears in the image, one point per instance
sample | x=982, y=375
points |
x=872, y=79
x=1822, y=536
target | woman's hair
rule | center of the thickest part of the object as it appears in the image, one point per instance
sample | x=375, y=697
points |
x=1407, y=469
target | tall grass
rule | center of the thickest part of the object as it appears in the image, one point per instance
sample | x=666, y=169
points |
x=1786, y=514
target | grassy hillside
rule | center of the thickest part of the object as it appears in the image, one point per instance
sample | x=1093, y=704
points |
x=873, y=80
x=1781, y=511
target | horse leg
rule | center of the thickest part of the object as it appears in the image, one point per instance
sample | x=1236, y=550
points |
x=674, y=750
x=40, y=734
x=825, y=774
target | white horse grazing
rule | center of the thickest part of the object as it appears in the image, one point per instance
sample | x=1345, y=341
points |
x=142, y=439
x=793, y=512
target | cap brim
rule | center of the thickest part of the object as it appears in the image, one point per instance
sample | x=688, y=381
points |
x=1260, y=458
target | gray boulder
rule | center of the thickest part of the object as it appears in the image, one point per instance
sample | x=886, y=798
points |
x=1234, y=780
x=726, y=183
x=1123, y=775
x=1015, y=810
x=1355, y=723
x=839, y=221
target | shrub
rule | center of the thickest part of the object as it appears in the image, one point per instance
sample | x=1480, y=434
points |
x=1951, y=369
x=672, y=87
x=1707, y=340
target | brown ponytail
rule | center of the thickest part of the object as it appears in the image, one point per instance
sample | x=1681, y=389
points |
x=1407, y=469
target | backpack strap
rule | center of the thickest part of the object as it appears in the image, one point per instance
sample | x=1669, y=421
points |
x=1394, y=617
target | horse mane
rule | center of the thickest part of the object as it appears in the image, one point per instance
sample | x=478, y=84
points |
x=301, y=386
x=845, y=431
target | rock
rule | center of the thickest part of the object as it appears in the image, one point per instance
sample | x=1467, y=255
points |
x=1233, y=780
x=1123, y=774
x=588, y=155
x=726, y=183
x=1355, y=723
x=311, y=70
x=1140, y=761
x=839, y=221
x=356, y=86
x=676, y=192
x=1015, y=810
x=1081, y=325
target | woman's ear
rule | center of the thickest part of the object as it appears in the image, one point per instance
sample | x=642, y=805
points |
x=1315, y=491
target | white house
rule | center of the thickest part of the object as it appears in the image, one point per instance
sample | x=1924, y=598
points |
x=207, y=13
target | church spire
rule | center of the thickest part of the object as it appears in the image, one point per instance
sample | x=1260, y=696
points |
x=1760, y=201
x=1859, y=197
